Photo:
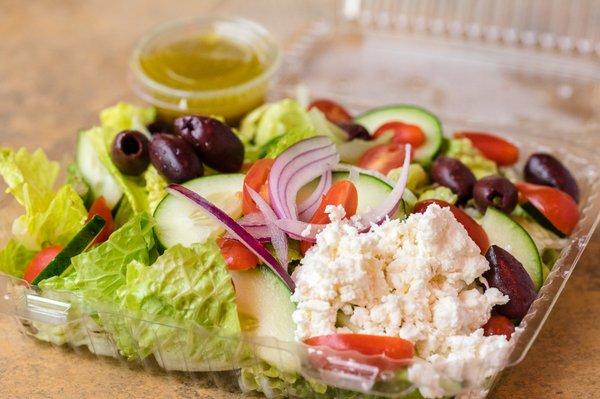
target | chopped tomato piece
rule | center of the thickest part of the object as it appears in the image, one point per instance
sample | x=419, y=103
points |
x=40, y=261
x=342, y=192
x=403, y=133
x=558, y=207
x=499, y=325
x=475, y=231
x=383, y=157
x=100, y=208
x=498, y=150
x=236, y=255
x=333, y=111
x=256, y=179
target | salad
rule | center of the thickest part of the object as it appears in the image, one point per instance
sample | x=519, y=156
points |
x=305, y=243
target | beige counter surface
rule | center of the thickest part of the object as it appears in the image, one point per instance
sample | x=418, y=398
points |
x=61, y=62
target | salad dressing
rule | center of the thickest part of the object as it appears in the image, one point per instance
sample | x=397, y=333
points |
x=204, y=62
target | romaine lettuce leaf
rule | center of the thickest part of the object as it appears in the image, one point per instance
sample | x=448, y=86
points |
x=155, y=186
x=123, y=116
x=14, y=257
x=185, y=287
x=417, y=177
x=440, y=193
x=29, y=176
x=50, y=218
x=266, y=129
x=463, y=150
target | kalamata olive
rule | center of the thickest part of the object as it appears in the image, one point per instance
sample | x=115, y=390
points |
x=452, y=173
x=174, y=158
x=496, y=191
x=508, y=275
x=355, y=131
x=160, y=126
x=214, y=142
x=129, y=152
x=546, y=170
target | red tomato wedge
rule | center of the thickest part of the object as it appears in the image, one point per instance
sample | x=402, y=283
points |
x=333, y=111
x=342, y=192
x=256, y=179
x=100, y=208
x=403, y=133
x=394, y=348
x=236, y=255
x=383, y=157
x=475, y=231
x=502, y=152
x=40, y=261
x=558, y=207
x=499, y=325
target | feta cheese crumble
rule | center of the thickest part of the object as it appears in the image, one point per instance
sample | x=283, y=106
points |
x=414, y=279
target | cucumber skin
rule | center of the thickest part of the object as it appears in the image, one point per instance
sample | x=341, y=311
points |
x=82, y=240
x=538, y=278
x=426, y=161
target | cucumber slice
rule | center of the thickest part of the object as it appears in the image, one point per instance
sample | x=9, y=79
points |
x=372, y=191
x=93, y=171
x=178, y=221
x=263, y=297
x=82, y=240
x=428, y=122
x=510, y=236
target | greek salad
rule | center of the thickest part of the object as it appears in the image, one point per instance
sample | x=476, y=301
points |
x=372, y=241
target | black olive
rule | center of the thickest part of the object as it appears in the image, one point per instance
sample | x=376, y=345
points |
x=509, y=276
x=495, y=191
x=129, y=152
x=214, y=142
x=355, y=131
x=452, y=173
x=174, y=158
x=160, y=126
x=547, y=170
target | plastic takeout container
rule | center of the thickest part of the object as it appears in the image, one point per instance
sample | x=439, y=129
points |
x=527, y=70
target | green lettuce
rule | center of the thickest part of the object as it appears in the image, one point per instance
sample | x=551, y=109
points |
x=440, y=193
x=155, y=186
x=14, y=257
x=49, y=218
x=464, y=151
x=125, y=116
x=417, y=177
x=187, y=288
x=262, y=129
x=262, y=377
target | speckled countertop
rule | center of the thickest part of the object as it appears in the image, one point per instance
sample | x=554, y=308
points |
x=61, y=62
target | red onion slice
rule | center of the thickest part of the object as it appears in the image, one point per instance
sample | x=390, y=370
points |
x=261, y=233
x=300, y=230
x=278, y=237
x=237, y=231
x=291, y=160
x=252, y=219
x=308, y=207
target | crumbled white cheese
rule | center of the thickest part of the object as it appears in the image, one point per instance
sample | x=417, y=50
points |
x=414, y=279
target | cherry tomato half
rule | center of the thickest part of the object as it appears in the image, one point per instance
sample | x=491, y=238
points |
x=475, y=231
x=499, y=325
x=342, y=192
x=40, y=261
x=558, y=207
x=394, y=348
x=498, y=150
x=236, y=255
x=403, y=133
x=333, y=111
x=383, y=158
x=256, y=179
x=100, y=208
